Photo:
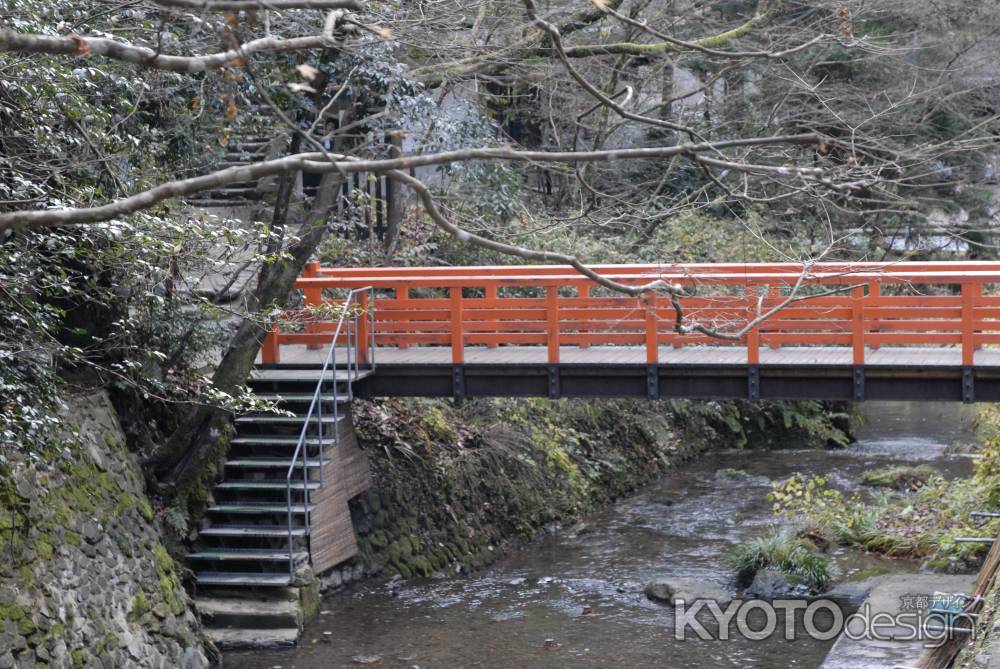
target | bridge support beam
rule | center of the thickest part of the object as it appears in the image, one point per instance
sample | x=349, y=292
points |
x=458, y=381
x=968, y=385
x=858, y=385
x=753, y=382
x=553, y=374
x=652, y=382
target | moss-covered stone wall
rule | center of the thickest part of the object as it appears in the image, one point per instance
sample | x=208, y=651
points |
x=458, y=483
x=84, y=578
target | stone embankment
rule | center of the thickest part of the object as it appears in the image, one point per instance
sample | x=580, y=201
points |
x=84, y=578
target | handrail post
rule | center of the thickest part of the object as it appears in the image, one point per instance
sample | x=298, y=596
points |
x=970, y=293
x=457, y=325
x=312, y=297
x=652, y=330
x=858, y=325
x=552, y=323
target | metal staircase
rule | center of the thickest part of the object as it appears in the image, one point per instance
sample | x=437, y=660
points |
x=257, y=532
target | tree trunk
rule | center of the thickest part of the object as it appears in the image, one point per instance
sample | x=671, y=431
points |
x=183, y=457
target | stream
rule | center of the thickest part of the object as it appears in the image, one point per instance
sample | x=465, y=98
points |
x=575, y=599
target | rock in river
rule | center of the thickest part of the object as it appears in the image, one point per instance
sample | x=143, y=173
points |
x=688, y=589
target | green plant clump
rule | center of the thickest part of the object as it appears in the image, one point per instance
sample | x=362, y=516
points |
x=783, y=551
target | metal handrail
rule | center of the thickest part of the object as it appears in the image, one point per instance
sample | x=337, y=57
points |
x=316, y=406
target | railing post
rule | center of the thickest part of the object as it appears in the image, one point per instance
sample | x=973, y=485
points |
x=552, y=323
x=970, y=293
x=312, y=297
x=583, y=291
x=457, y=322
x=490, y=293
x=652, y=330
x=874, y=293
x=858, y=325
x=753, y=336
x=364, y=332
x=270, y=350
x=402, y=293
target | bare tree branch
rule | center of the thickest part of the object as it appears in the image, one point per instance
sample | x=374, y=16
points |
x=237, y=5
x=317, y=162
x=75, y=45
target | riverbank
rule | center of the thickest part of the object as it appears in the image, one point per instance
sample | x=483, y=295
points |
x=575, y=596
x=458, y=484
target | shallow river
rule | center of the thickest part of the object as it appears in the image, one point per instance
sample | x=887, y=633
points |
x=575, y=599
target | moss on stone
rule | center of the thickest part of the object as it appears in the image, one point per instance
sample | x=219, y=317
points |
x=44, y=548
x=17, y=615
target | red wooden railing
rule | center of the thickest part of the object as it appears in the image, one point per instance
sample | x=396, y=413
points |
x=874, y=305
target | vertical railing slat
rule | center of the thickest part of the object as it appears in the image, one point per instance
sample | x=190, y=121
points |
x=970, y=293
x=858, y=325
x=552, y=323
x=312, y=297
x=652, y=330
x=457, y=326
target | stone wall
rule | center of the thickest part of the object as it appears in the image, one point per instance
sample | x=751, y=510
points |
x=458, y=484
x=84, y=578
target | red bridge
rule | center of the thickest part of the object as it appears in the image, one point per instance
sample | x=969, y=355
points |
x=905, y=330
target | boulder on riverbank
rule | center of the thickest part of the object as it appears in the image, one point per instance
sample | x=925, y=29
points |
x=668, y=590
x=772, y=584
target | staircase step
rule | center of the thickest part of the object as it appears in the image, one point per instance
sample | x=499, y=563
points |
x=244, y=613
x=242, y=578
x=230, y=554
x=262, y=639
x=257, y=507
x=298, y=398
x=272, y=463
x=269, y=440
x=265, y=484
x=263, y=531
x=271, y=419
x=312, y=375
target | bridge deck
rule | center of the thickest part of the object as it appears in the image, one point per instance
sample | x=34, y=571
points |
x=823, y=373
x=802, y=356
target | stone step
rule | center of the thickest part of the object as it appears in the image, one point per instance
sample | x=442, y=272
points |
x=215, y=203
x=256, y=554
x=272, y=419
x=241, y=531
x=299, y=375
x=277, y=440
x=253, y=508
x=266, y=484
x=261, y=639
x=298, y=398
x=240, y=613
x=248, y=579
x=272, y=463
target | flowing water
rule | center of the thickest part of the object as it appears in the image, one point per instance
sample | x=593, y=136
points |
x=575, y=599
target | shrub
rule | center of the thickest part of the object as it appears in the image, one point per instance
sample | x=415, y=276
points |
x=783, y=551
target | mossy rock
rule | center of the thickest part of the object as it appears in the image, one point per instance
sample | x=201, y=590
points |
x=400, y=568
x=902, y=478
x=421, y=566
